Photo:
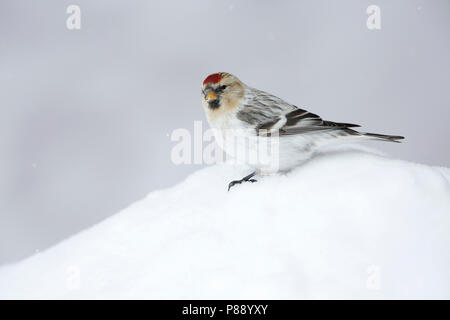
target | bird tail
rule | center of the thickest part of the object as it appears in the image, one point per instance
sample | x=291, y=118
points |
x=372, y=136
x=382, y=137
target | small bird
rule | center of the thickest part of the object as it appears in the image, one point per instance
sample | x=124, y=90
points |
x=236, y=111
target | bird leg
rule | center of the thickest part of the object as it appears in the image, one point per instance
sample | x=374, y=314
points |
x=244, y=179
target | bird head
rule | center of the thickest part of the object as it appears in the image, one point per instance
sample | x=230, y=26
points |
x=221, y=90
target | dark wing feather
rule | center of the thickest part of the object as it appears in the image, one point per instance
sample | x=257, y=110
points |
x=302, y=121
x=268, y=112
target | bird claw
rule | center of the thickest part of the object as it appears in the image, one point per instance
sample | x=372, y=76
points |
x=235, y=182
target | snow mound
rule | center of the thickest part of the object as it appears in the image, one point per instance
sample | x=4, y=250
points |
x=347, y=224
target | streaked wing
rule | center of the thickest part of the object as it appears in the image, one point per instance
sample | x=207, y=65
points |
x=267, y=112
x=302, y=121
x=263, y=108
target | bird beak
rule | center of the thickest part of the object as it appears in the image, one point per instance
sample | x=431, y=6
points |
x=211, y=96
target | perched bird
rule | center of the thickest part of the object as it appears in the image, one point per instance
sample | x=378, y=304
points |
x=236, y=111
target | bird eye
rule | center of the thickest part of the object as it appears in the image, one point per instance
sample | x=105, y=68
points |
x=220, y=89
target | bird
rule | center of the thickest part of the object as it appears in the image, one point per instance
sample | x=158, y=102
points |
x=246, y=118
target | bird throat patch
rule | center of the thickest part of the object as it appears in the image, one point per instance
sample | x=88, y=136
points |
x=212, y=78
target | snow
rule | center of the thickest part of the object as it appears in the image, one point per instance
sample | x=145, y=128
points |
x=349, y=223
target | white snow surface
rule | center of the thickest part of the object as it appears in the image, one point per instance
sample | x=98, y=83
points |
x=347, y=224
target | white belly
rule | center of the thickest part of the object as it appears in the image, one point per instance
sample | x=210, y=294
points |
x=266, y=154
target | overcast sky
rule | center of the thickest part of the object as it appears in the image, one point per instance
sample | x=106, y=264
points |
x=86, y=115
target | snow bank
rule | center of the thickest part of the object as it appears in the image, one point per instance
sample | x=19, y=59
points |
x=347, y=224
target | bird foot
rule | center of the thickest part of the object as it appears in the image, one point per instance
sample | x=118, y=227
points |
x=244, y=179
